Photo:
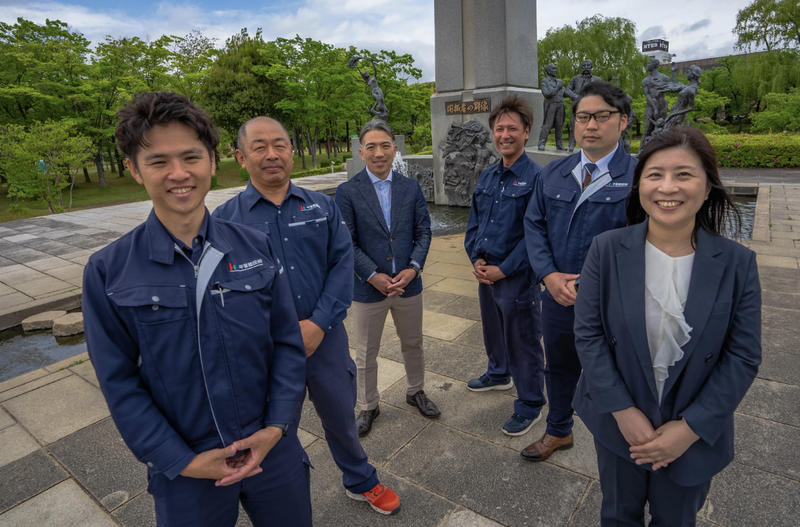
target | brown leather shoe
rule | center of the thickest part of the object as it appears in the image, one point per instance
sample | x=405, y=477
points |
x=544, y=448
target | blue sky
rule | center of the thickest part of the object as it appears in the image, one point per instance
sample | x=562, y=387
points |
x=695, y=28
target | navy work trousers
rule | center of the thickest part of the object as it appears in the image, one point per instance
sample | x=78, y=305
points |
x=563, y=366
x=280, y=496
x=331, y=383
x=511, y=333
x=627, y=487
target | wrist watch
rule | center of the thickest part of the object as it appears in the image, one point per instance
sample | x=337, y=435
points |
x=415, y=268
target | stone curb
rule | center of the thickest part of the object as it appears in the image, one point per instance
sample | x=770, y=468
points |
x=14, y=316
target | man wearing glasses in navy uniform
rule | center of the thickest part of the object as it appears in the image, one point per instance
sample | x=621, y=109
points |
x=575, y=199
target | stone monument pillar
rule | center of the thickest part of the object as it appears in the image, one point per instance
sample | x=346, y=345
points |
x=485, y=51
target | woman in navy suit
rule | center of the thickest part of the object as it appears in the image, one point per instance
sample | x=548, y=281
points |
x=668, y=331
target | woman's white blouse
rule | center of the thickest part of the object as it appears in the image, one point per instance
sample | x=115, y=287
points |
x=666, y=286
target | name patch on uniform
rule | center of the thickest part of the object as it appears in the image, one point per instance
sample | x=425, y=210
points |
x=237, y=268
x=612, y=184
x=309, y=207
x=520, y=183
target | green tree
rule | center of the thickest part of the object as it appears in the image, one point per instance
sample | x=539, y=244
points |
x=231, y=93
x=781, y=113
x=769, y=23
x=191, y=57
x=609, y=42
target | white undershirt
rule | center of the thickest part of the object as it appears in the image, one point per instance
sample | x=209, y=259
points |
x=666, y=286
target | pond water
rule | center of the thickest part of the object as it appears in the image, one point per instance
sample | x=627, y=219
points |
x=22, y=352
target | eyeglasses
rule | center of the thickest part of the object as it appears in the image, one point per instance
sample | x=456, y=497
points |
x=601, y=116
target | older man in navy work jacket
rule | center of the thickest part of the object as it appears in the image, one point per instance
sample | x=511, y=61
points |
x=194, y=337
x=508, y=294
x=575, y=199
x=315, y=251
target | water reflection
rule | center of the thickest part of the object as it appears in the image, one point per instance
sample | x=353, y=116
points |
x=22, y=352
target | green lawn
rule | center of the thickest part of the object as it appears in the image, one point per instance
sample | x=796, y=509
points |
x=120, y=190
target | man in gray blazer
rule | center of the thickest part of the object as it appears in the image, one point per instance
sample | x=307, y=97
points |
x=388, y=218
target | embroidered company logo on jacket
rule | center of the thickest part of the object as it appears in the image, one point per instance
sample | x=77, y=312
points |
x=617, y=184
x=520, y=183
x=313, y=206
x=237, y=268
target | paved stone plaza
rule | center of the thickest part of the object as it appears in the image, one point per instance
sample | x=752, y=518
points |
x=63, y=463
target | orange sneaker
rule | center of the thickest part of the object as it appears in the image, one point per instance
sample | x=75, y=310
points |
x=382, y=499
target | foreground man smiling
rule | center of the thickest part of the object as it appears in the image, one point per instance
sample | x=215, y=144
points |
x=315, y=251
x=193, y=335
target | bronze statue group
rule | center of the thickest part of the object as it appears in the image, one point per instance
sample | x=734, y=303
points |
x=207, y=331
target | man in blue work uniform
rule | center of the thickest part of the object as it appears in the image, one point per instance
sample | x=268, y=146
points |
x=575, y=199
x=508, y=293
x=194, y=337
x=316, y=252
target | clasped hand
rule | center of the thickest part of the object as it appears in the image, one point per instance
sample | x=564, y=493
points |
x=219, y=465
x=562, y=287
x=392, y=286
x=659, y=446
x=486, y=274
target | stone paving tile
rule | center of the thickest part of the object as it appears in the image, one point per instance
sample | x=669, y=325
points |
x=36, y=383
x=458, y=258
x=588, y=512
x=62, y=365
x=445, y=358
x=419, y=506
x=453, y=243
x=63, y=505
x=69, y=270
x=783, y=339
x=58, y=409
x=86, y=370
x=13, y=275
x=441, y=326
x=5, y=420
x=780, y=367
x=100, y=445
x=23, y=255
x=467, y=518
x=458, y=467
x=56, y=234
x=463, y=307
x=14, y=299
x=776, y=261
x=429, y=279
x=5, y=262
x=743, y=497
x=19, y=238
x=457, y=286
x=25, y=478
x=463, y=272
x=480, y=414
x=473, y=337
x=778, y=455
x=778, y=318
x=42, y=287
x=22, y=379
x=391, y=431
x=46, y=264
x=433, y=301
x=138, y=512
x=773, y=401
x=17, y=443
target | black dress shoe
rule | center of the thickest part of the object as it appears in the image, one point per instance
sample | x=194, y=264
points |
x=365, y=419
x=424, y=405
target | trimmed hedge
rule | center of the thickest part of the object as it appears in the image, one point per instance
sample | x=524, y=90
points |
x=318, y=171
x=756, y=151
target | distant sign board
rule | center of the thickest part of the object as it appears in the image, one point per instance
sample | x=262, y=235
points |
x=479, y=106
x=655, y=45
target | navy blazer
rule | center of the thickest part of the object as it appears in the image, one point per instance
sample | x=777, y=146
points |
x=374, y=247
x=720, y=361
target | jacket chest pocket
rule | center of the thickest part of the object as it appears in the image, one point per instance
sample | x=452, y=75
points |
x=559, y=197
x=309, y=227
x=165, y=324
x=244, y=290
x=515, y=198
x=610, y=196
x=483, y=198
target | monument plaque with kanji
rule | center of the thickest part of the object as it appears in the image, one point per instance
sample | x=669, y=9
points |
x=469, y=107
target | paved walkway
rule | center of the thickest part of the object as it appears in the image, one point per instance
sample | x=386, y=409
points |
x=62, y=461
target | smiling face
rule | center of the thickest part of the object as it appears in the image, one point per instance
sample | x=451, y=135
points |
x=510, y=136
x=176, y=171
x=672, y=188
x=266, y=155
x=598, y=139
x=378, y=151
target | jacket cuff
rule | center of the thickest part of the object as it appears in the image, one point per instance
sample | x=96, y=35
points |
x=546, y=271
x=612, y=399
x=324, y=323
x=173, y=456
x=281, y=412
x=703, y=423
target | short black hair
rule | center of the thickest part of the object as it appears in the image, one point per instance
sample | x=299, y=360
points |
x=613, y=95
x=241, y=135
x=149, y=109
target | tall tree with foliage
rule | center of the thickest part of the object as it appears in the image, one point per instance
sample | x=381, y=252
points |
x=609, y=42
x=773, y=24
x=191, y=57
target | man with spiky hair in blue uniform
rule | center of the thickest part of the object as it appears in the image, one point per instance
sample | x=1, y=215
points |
x=193, y=334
